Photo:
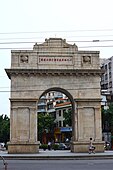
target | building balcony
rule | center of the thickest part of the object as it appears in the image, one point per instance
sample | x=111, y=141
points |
x=41, y=111
x=51, y=110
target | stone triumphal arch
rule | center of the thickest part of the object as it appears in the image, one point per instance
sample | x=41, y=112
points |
x=51, y=65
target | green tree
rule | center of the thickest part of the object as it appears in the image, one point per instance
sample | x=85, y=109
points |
x=4, y=128
x=107, y=119
x=68, y=117
x=45, y=122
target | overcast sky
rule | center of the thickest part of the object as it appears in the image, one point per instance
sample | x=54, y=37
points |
x=34, y=20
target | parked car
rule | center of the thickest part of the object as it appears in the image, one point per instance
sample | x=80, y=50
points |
x=62, y=146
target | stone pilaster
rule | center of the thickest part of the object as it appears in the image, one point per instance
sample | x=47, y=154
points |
x=23, y=138
x=88, y=126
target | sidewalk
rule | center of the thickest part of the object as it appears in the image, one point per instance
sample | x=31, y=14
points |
x=59, y=154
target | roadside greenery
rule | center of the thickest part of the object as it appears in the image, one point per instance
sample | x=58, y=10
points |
x=107, y=119
x=4, y=128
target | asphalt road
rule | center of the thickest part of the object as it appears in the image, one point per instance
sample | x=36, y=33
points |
x=58, y=164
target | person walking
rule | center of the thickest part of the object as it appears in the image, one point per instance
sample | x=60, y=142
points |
x=49, y=145
x=91, y=147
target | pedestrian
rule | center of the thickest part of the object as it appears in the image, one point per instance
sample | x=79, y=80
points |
x=49, y=145
x=91, y=147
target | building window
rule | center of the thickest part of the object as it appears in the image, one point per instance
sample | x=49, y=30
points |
x=106, y=77
x=60, y=124
x=64, y=125
x=109, y=74
x=109, y=65
x=59, y=113
x=102, y=78
x=106, y=67
x=106, y=86
x=110, y=84
x=102, y=86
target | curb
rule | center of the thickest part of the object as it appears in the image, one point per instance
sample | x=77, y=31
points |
x=90, y=157
x=63, y=155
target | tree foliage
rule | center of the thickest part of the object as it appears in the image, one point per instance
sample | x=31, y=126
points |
x=68, y=117
x=107, y=118
x=45, y=122
x=4, y=128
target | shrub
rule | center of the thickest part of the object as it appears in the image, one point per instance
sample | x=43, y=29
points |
x=44, y=146
x=55, y=146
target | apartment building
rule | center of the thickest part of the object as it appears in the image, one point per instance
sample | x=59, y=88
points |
x=107, y=77
x=57, y=104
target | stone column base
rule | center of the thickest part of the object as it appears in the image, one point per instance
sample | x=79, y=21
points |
x=82, y=147
x=23, y=148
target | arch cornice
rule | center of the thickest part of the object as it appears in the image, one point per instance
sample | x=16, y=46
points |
x=58, y=72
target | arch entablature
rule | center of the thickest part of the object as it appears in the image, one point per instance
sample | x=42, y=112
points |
x=69, y=72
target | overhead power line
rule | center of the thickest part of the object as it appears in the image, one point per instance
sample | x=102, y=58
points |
x=27, y=42
x=43, y=88
x=39, y=43
x=42, y=85
x=16, y=48
x=33, y=90
x=96, y=46
x=30, y=48
x=52, y=31
x=78, y=36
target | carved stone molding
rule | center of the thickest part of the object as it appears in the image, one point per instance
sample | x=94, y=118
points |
x=53, y=72
x=87, y=59
x=24, y=59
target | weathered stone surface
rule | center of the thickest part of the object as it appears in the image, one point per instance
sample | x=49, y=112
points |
x=55, y=65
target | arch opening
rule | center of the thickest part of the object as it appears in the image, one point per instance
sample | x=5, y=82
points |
x=55, y=111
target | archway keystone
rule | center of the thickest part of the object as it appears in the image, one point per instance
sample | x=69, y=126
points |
x=51, y=65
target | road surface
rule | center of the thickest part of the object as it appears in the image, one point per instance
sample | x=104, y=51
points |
x=58, y=164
